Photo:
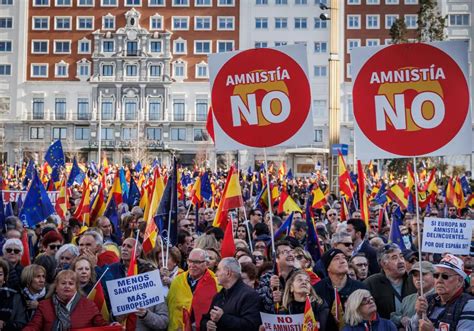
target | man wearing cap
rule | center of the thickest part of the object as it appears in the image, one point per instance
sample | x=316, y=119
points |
x=392, y=284
x=401, y=318
x=449, y=308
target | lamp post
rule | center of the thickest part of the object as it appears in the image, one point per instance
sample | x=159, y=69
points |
x=99, y=131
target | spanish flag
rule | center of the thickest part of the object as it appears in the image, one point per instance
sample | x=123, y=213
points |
x=319, y=199
x=231, y=198
x=116, y=191
x=309, y=321
x=346, y=187
x=363, y=201
x=287, y=204
x=397, y=193
x=62, y=203
x=83, y=211
x=336, y=309
x=98, y=206
x=151, y=230
x=97, y=295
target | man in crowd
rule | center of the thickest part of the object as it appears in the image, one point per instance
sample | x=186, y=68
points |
x=341, y=241
x=357, y=229
x=392, y=284
x=236, y=306
x=361, y=266
x=90, y=245
x=105, y=226
x=185, y=246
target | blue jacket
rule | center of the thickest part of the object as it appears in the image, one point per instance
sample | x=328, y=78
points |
x=379, y=324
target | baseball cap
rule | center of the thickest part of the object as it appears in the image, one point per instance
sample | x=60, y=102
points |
x=423, y=266
x=449, y=261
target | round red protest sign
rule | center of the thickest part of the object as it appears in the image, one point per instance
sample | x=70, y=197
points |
x=261, y=97
x=410, y=99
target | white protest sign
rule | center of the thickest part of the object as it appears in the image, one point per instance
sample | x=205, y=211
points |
x=447, y=235
x=140, y=291
x=282, y=322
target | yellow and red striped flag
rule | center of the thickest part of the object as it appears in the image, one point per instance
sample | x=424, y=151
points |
x=309, y=321
x=97, y=295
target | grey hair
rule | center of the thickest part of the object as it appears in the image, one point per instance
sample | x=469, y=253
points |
x=99, y=240
x=232, y=265
x=352, y=315
x=202, y=252
x=71, y=248
x=12, y=242
x=339, y=236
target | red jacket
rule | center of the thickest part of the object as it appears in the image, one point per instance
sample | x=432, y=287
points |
x=85, y=314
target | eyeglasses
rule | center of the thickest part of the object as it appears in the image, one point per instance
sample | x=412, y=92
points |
x=348, y=244
x=367, y=300
x=332, y=214
x=196, y=261
x=258, y=257
x=12, y=250
x=452, y=209
x=299, y=257
x=52, y=246
x=436, y=275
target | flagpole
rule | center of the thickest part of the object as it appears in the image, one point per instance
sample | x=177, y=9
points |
x=98, y=281
x=99, y=132
x=415, y=179
x=269, y=195
x=162, y=251
x=248, y=229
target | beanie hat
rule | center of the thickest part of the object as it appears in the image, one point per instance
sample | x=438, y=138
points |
x=329, y=255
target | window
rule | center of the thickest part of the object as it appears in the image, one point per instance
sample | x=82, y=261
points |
x=201, y=109
x=261, y=44
x=132, y=48
x=353, y=2
x=348, y=70
x=107, y=70
x=60, y=108
x=353, y=21
x=85, y=3
x=390, y=20
x=85, y=23
x=351, y=43
x=59, y=133
x=5, y=69
x=129, y=133
x=178, y=134
x=61, y=70
x=179, y=46
x=107, y=134
x=84, y=46
x=40, y=23
x=201, y=70
x=281, y=23
x=180, y=23
x=4, y=104
x=203, y=3
x=130, y=3
x=83, y=109
x=372, y=21
x=459, y=19
x=200, y=135
x=181, y=3
x=372, y=42
x=320, y=24
x=62, y=47
x=411, y=2
x=280, y=43
x=202, y=47
x=373, y=2
x=63, y=3
x=225, y=23
x=108, y=46
x=108, y=3
x=156, y=22
x=82, y=133
x=202, y=23
x=179, y=69
x=301, y=2
x=225, y=3
x=154, y=109
x=36, y=132
x=6, y=23
x=39, y=46
x=281, y=2
x=6, y=2
x=318, y=136
x=320, y=111
x=39, y=70
x=62, y=23
x=225, y=46
x=131, y=70
x=301, y=23
x=108, y=22
x=130, y=109
x=320, y=47
x=261, y=23
x=178, y=110
x=156, y=3
x=107, y=109
x=411, y=21
x=261, y=2
x=40, y=3
x=155, y=46
x=320, y=71
x=155, y=70
x=153, y=134
x=38, y=108
x=391, y=2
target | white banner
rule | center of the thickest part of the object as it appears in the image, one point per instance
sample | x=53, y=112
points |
x=282, y=322
x=447, y=235
x=140, y=291
x=13, y=196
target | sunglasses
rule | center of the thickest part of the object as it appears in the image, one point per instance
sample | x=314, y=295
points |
x=300, y=257
x=258, y=257
x=54, y=246
x=348, y=244
x=13, y=250
x=332, y=214
x=259, y=215
x=436, y=275
x=367, y=300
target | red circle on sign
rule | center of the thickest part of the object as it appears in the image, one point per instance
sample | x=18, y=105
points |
x=413, y=139
x=240, y=92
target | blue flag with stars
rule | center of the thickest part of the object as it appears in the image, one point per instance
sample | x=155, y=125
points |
x=37, y=206
x=55, y=155
x=133, y=194
x=76, y=174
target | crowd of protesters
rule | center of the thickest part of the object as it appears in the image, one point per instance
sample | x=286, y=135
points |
x=361, y=280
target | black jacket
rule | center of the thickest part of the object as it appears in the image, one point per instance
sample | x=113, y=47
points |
x=371, y=255
x=321, y=313
x=384, y=293
x=325, y=290
x=241, y=305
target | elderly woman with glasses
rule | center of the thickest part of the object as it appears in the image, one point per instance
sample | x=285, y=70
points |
x=12, y=252
x=361, y=314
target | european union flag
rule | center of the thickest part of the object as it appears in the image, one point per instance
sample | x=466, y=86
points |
x=133, y=194
x=112, y=215
x=56, y=175
x=381, y=196
x=466, y=188
x=93, y=168
x=30, y=169
x=166, y=216
x=289, y=175
x=37, y=206
x=396, y=235
x=206, y=189
x=284, y=229
x=138, y=166
x=76, y=174
x=55, y=155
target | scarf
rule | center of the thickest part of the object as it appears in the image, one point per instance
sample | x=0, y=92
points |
x=63, y=312
x=34, y=296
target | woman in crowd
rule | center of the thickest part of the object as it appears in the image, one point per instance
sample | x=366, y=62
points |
x=65, y=255
x=12, y=310
x=12, y=251
x=297, y=288
x=172, y=270
x=305, y=261
x=361, y=314
x=33, y=279
x=65, y=308
x=85, y=271
x=259, y=258
x=242, y=233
